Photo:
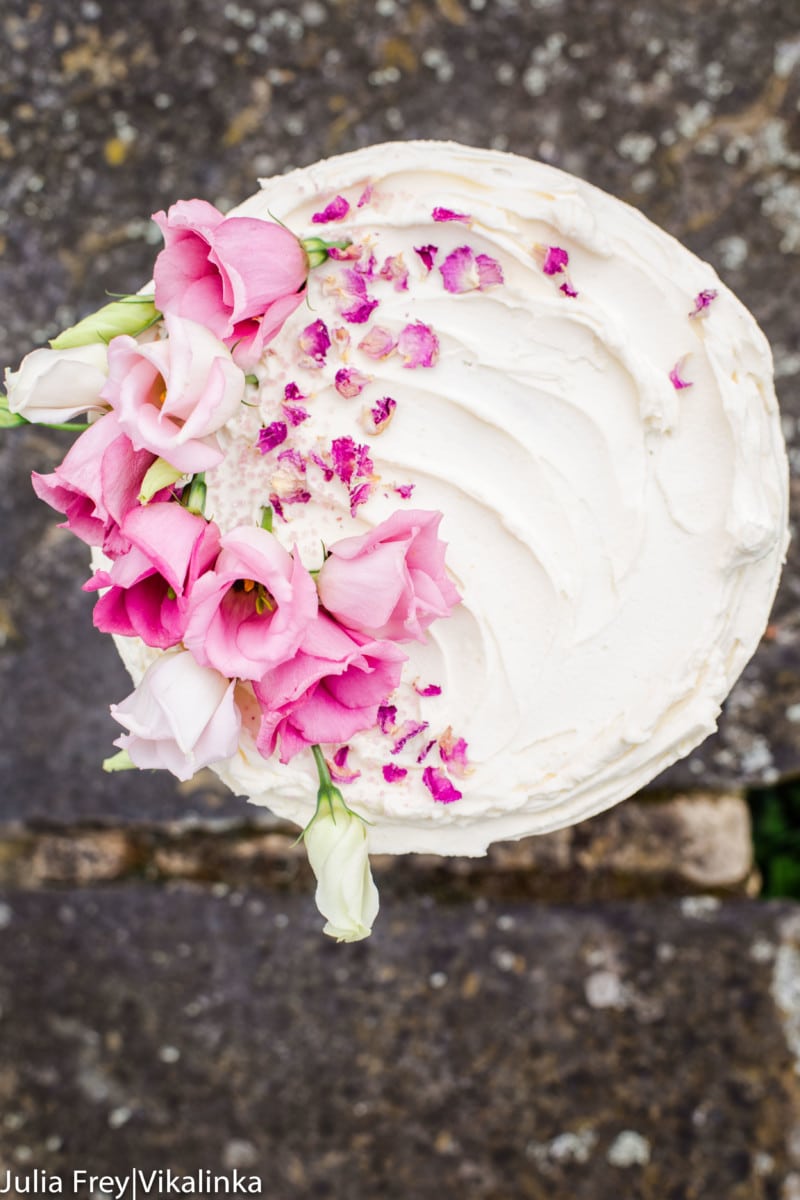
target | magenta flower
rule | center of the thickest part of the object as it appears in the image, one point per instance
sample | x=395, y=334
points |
x=337, y=210
x=250, y=612
x=390, y=582
x=328, y=691
x=172, y=396
x=440, y=786
x=418, y=345
x=97, y=484
x=181, y=717
x=465, y=271
x=150, y=584
x=240, y=277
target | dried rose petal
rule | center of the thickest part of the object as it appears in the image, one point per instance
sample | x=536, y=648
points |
x=341, y=338
x=427, y=254
x=314, y=344
x=440, y=786
x=395, y=270
x=391, y=772
x=295, y=413
x=447, y=214
x=343, y=456
x=350, y=382
x=277, y=507
x=453, y=752
x=404, y=490
x=271, y=436
x=418, y=345
x=340, y=773
x=676, y=375
x=325, y=467
x=359, y=312
x=408, y=730
x=423, y=754
x=292, y=392
x=337, y=210
x=462, y=271
x=358, y=496
x=387, y=715
x=432, y=689
x=382, y=414
x=568, y=289
x=365, y=196
x=702, y=302
x=367, y=268
x=555, y=260
x=379, y=343
x=349, y=254
x=295, y=458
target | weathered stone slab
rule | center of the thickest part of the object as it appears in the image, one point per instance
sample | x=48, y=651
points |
x=670, y=847
x=689, y=111
x=496, y=1051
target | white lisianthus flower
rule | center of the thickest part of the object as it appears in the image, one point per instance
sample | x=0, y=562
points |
x=52, y=386
x=336, y=841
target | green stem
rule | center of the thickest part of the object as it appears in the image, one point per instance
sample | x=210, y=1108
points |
x=325, y=781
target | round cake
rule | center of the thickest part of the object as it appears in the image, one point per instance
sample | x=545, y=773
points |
x=592, y=412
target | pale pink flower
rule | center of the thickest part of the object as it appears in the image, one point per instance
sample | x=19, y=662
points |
x=328, y=691
x=181, y=717
x=97, y=484
x=150, y=585
x=51, y=386
x=172, y=396
x=390, y=582
x=240, y=277
x=250, y=612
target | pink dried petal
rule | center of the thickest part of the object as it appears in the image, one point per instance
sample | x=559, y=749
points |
x=271, y=436
x=325, y=467
x=340, y=773
x=337, y=210
x=555, y=260
x=462, y=272
x=341, y=338
x=365, y=196
x=453, y=752
x=298, y=497
x=432, y=689
x=440, y=786
x=676, y=375
x=395, y=270
x=292, y=392
x=423, y=754
x=447, y=214
x=702, y=302
x=379, y=343
x=314, y=344
x=418, y=345
x=387, y=715
x=382, y=413
x=408, y=730
x=358, y=496
x=368, y=267
x=360, y=312
x=295, y=458
x=404, y=490
x=348, y=254
x=340, y=757
x=427, y=254
x=295, y=413
x=391, y=772
x=568, y=289
x=350, y=460
x=277, y=507
x=350, y=382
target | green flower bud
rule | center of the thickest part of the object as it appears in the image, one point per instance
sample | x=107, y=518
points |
x=130, y=314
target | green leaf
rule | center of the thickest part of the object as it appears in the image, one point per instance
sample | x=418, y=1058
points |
x=160, y=475
x=266, y=518
x=121, y=761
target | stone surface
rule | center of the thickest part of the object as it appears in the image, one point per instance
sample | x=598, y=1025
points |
x=500, y=1052
x=673, y=846
x=688, y=110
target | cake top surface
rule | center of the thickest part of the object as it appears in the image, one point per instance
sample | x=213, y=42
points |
x=592, y=412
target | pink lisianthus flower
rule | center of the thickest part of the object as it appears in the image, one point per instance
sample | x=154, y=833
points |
x=149, y=587
x=97, y=484
x=181, y=717
x=250, y=613
x=240, y=277
x=172, y=396
x=391, y=582
x=330, y=690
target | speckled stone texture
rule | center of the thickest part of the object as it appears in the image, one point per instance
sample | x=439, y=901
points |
x=512, y=1054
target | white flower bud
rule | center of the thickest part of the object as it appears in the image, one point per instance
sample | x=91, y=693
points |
x=336, y=841
x=53, y=386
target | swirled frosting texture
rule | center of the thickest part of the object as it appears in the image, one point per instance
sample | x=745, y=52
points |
x=617, y=539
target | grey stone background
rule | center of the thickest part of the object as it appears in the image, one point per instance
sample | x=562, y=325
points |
x=566, y=1018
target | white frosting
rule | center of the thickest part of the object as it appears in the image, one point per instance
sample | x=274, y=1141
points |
x=617, y=542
